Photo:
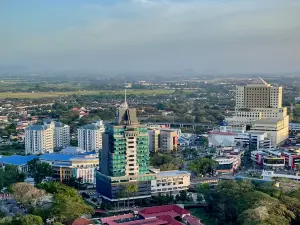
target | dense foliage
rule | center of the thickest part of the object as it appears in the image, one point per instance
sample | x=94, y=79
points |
x=244, y=203
x=10, y=175
x=166, y=161
x=67, y=205
x=202, y=166
x=39, y=170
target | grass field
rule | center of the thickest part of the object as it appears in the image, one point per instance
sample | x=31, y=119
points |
x=27, y=95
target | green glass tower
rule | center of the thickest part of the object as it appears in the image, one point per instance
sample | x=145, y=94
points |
x=124, y=157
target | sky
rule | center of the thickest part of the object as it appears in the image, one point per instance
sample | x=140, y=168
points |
x=206, y=36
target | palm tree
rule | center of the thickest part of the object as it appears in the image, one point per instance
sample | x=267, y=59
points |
x=130, y=190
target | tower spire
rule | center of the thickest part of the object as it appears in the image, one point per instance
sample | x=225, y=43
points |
x=124, y=105
x=125, y=95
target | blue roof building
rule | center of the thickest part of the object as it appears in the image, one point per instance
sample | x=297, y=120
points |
x=17, y=160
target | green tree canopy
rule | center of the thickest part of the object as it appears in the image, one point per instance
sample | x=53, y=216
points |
x=27, y=220
x=39, y=170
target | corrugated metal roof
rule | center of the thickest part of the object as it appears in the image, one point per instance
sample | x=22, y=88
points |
x=17, y=160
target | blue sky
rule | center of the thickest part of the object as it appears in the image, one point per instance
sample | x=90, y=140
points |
x=221, y=36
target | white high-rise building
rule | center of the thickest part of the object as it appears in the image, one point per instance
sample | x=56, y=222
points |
x=61, y=135
x=259, y=104
x=90, y=136
x=39, y=139
x=44, y=138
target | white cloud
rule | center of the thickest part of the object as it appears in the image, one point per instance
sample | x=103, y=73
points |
x=235, y=35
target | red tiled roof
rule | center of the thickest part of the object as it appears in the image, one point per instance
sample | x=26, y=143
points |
x=169, y=219
x=81, y=221
x=192, y=220
x=157, y=210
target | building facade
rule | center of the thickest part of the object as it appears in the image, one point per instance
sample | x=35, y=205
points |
x=79, y=166
x=154, y=140
x=90, y=136
x=163, y=140
x=61, y=134
x=124, y=158
x=39, y=139
x=259, y=104
x=168, y=140
x=170, y=182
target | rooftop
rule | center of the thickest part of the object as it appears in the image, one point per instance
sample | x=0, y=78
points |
x=172, y=173
x=267, y=121
x=91, y=127
x=37, y=127
x=259, y=80
x=17, y=160
x=157, y=215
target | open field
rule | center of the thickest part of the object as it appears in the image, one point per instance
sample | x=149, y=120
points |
x=27, y=95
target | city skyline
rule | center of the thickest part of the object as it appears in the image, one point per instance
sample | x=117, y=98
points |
x=152, y=35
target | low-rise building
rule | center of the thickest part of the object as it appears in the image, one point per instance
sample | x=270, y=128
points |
x=170, y=182
x=276, y=129
x=227, y=164
x=294, y=129
x=3, y=119
x=17, y=160
x=156, y=215
x=80, y=166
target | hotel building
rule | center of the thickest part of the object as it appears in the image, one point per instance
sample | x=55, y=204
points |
x=259, y=104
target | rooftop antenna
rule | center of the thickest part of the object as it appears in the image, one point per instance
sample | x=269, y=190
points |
x=125, y=94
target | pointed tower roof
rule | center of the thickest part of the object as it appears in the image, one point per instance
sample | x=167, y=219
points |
x=126, y=115
x=259, y=80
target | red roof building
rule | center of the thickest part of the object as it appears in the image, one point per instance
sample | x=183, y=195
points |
x=157, y=215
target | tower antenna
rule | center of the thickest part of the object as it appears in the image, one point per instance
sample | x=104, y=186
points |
x=125, y=95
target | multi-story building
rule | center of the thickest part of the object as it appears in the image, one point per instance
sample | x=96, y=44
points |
x=39, y=139
x=227, y=164
x=154, y=140
x=124, y=158
x=168, y=140
x=294, y=129
x=65, y=166
x=277, y=129
x=260, y=104
x=90, y=136
x=170, y=182
x=163, y=140
x=268, y=161
x=239, y=138
x=80, y=166
x=61, y=135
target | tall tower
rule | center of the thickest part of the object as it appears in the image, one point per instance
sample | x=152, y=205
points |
x=124, y=157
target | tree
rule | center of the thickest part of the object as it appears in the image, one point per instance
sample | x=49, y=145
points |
x=67, y=205
x=168, y=166
x=202, y=166
x=158, y=160
x=39, y=170
x=27, y=220
x=10, y=175
x=130, y=190
x=27, y=194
